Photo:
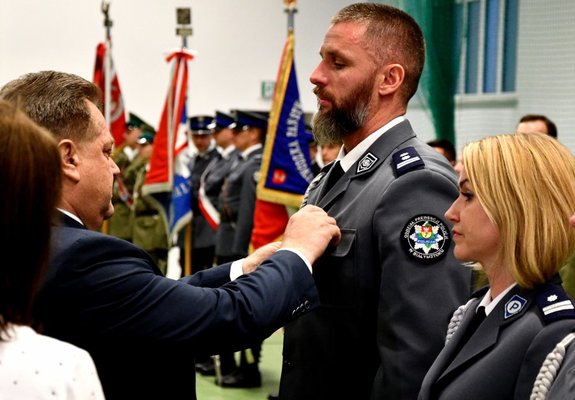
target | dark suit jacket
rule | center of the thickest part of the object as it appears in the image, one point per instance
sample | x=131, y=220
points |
x=503, y=356
x=383, y=313
x=105, y=295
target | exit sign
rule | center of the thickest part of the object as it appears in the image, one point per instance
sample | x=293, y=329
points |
x=267, y=89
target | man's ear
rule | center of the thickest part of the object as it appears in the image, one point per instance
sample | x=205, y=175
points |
x=70, y=160
x=391, y=79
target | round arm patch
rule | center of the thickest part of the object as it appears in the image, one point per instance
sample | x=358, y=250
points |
x=426, y=238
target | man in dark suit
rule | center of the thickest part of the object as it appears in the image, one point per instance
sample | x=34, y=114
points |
x=389, y=289
x=106, y=295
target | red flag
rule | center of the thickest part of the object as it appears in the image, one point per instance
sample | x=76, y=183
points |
x=167, y=180
x=117, y=121
x=270, y=220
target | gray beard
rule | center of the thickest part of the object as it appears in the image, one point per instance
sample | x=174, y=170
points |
x=333, y=126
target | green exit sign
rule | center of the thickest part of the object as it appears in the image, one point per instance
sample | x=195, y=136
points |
x=267, y=89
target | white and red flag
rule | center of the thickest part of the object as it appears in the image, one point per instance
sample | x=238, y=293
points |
x=114, y=105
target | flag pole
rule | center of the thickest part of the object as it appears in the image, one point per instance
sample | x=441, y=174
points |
x=107, y=64
x=107, y=80
x=290, y=7
x=184, y=29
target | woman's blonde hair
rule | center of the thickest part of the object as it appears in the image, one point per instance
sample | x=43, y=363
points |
x=526, y=184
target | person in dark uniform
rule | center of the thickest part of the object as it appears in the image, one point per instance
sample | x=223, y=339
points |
x=389, y=289
x=511, y=218
x=556, y=377
x=237, y=199
x=203, y=244
x=211, y=183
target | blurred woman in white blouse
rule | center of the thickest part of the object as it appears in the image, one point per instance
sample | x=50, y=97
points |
x=32, y=366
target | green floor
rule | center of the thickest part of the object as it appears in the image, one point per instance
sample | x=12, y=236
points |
x=270, y=367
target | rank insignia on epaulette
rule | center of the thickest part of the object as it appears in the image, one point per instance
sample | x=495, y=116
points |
x=366, y=163
x=426, y=238
x=514, y=305
x=406, y=160
x=554, y=303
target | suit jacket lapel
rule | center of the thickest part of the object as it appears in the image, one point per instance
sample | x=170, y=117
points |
x=442, y=362
x=486, y=335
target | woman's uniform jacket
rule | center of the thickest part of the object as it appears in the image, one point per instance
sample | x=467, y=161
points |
x=502, y=358
x=106, y=295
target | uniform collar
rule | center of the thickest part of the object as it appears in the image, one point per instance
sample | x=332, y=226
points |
x=347, y=160
x=490, y=304
x=246, y=153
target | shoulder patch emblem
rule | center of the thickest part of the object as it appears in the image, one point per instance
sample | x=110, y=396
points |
x=426, y=238
x=554, y=303
x=366, y=163
x=406, y=160
x=514, y=305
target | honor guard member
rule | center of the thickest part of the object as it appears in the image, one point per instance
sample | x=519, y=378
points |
x=149, y=228
x=203, y=247
x=237, y=201
x=211, y=183
x=120, y=225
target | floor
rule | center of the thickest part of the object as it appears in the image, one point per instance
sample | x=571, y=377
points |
x=270, y=362
x=270, y=368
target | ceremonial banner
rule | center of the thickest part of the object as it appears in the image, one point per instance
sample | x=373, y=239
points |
x=117, y=113
x=167, y=181
x=286, y=166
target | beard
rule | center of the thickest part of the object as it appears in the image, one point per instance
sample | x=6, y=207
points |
x=331, y=126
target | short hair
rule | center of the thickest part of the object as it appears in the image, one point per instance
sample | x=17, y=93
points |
x=551, y=127
x=394, y=36
x=57, y=101
x=526, y=184
x=30, y=182
x=447, y=146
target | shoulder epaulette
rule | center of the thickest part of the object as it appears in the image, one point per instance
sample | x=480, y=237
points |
x=554, y=303
x=405, y=160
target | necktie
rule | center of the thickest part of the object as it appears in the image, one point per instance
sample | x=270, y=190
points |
x=335, y=173
x=473, y=325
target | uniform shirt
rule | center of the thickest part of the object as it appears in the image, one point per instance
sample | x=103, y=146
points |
x=39, y=367
x=490, y=304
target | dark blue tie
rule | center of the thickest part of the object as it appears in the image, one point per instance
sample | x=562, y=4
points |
x=473, y=325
